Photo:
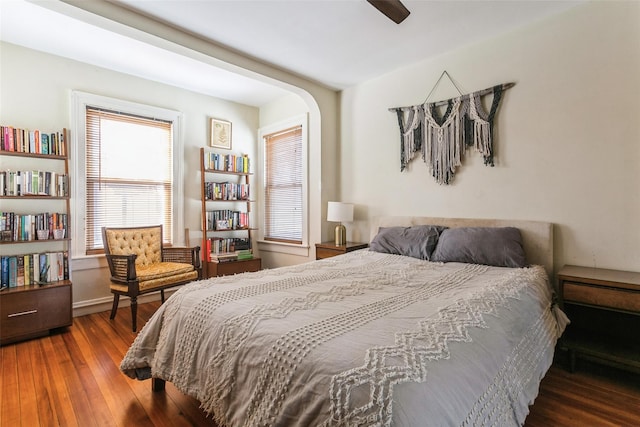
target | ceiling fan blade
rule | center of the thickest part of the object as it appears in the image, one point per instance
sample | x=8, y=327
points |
x=393, y=9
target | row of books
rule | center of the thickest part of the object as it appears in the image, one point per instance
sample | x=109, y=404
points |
x=226, y=191
x=219, y=245
x=33, y=269
x=32, y=141
x=226, y=162
x=226, y=219
x=33, y=183
x=232, y=256
x=43, y=226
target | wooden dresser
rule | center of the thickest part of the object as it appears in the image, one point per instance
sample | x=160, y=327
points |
x=329, y=249
x=31, y=311
x=604, y=308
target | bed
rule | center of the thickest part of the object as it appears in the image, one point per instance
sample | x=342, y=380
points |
x=374, y=337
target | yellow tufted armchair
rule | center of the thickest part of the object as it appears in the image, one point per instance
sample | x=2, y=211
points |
x=139, y=264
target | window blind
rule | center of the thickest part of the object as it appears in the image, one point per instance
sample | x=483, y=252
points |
x=283, y=186
x=129, y=174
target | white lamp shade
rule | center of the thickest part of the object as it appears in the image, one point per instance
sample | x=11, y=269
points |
x=340, y=212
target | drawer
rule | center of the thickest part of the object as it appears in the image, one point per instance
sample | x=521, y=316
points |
x=620, y=299
x=322, y=253
x=19, y=314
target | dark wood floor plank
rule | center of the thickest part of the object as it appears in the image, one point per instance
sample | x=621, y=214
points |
x=606, y=406
x=10, y=399
x=122, y=401
x=59, y=392
x=140, y=398
x=102, y=387
x=593, y=397
x=46, y=409
x=75, y=379
x=27, y=388
x=72, y=366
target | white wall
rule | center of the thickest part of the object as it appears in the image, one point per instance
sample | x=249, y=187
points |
x=568, y=136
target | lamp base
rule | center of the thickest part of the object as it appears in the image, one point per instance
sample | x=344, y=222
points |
x=341, y=235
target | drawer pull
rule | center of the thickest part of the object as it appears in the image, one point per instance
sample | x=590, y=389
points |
x=23, y=313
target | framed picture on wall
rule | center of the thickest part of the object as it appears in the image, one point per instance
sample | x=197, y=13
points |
x=220, y=134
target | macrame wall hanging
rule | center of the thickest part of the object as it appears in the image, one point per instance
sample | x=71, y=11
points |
x=443, y=140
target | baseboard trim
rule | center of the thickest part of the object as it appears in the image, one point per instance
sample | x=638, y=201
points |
x=97, y=305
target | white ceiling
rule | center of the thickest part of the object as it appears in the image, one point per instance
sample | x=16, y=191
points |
x=338, y=43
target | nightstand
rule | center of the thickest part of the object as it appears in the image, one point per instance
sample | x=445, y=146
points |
x=604, y=309
x=329, y=249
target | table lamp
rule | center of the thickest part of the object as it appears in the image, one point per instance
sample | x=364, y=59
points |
x=340, y=212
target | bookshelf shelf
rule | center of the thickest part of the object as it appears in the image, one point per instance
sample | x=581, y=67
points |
x=35, y=196
x=17, y=242
x=36, y=155
x=31, y=306
x=231, y=179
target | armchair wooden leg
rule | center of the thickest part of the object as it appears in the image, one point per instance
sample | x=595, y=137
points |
x=134, y=312
x=162, y=295
x=114, y=308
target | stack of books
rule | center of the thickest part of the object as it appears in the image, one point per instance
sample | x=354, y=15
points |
x=232, y=256
x=244, y=254
x=224, y=257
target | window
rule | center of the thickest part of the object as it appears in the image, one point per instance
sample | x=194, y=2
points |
x=129, y=173
x=127, y=168
x=284, y=184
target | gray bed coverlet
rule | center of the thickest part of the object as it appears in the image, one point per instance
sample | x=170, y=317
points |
x=360, y=339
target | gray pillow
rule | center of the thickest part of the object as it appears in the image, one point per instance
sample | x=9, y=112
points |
x=496, y=246
x=416, y=241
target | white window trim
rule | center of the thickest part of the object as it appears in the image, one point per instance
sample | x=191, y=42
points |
x=282, y=247
x=77, y=166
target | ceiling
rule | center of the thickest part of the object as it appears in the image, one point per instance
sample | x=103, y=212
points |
x=337, y=43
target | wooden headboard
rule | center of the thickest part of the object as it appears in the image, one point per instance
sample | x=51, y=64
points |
x=537, y=236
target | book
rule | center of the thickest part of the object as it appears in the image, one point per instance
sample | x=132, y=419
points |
x=244, y=254
x=4, y=271
x=35, y=266
x=28, y=271
x=224, y=257
x=44, y=143
x=60, y=264
x=44, y=268
x=65, y=265
x=52, y=262
x=13, y=271
x=20, y=270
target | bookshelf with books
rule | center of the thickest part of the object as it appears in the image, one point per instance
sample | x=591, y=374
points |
x=226, y=214
x=36, y=293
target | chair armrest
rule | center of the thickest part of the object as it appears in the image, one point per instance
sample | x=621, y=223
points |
x=123, y=267
x=185, y=255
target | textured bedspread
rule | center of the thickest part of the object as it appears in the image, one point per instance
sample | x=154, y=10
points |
x=359, y=339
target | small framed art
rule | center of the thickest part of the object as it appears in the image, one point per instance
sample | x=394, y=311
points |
x=220, y=134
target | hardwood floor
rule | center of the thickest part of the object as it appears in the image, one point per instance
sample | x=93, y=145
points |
x=71, y=378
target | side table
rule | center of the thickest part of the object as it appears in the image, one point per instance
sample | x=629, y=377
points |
x=329, y=249
x=604, y=308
